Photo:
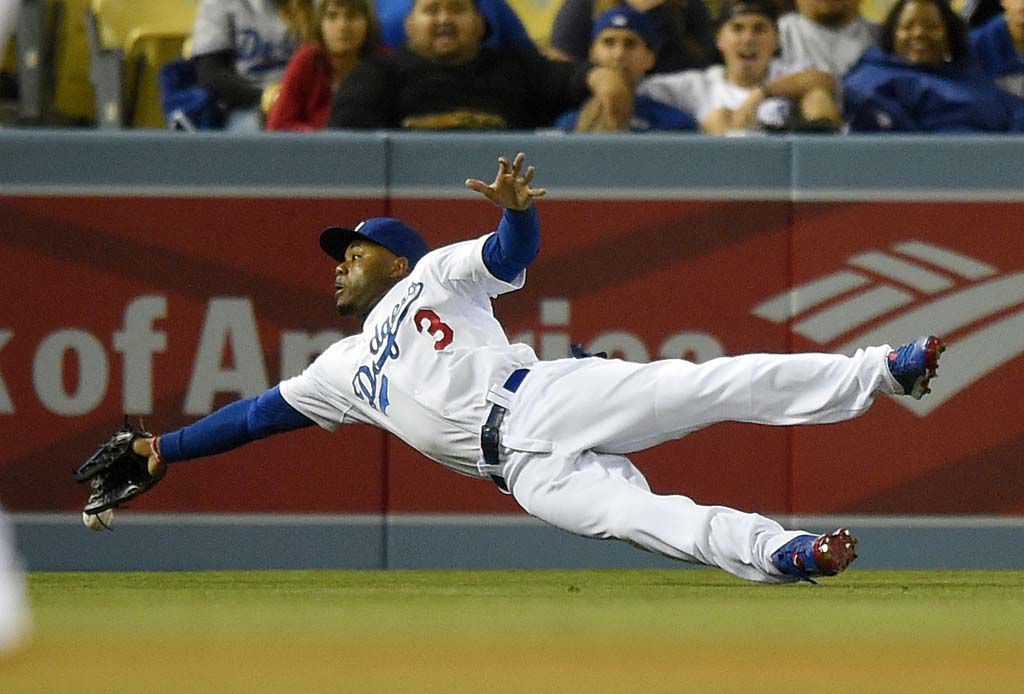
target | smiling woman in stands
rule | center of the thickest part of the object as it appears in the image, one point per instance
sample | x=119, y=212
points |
x=921, y=78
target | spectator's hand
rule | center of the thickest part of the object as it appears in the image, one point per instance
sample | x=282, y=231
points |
x=718, y=122
x=743, y=117
x=509, y=190
x=465, y=119
x=593, y=119
x=613, y=91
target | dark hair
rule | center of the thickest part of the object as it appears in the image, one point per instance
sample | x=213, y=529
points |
x=364, y=7
x=956, y=30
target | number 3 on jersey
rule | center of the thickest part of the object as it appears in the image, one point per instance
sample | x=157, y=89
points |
x=442, y=332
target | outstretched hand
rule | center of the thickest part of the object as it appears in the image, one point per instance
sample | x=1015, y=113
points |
x=510, y=189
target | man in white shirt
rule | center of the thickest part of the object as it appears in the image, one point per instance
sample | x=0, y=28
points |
x=726, y=98
x=829, y=35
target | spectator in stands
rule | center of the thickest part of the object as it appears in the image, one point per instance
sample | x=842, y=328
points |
x=504, y=28
x=445, y=79
x=828, y=35
x=345, y=31
x=684, y=29
x=922, y=78
x=751, y=89
x=999, y=47
x=241, y=48
x=625, y=40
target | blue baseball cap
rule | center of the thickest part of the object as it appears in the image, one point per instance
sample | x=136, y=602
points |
x=625, y=17
x=394, y=234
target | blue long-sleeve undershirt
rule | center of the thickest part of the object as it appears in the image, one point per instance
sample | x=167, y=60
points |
x=516, y=243
x=232, y=426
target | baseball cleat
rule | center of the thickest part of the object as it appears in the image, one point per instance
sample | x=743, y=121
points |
x=914, y=365
x=822, y=555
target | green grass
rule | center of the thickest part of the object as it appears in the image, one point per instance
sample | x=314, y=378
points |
x=520, y=631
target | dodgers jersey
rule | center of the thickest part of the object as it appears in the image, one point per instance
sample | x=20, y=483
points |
x=253, y=29
x=422, y=367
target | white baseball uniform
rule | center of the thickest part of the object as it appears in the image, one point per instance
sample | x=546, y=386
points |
x=430, y=365
x=251, y=28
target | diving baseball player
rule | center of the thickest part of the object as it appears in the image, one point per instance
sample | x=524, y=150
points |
x=433, y=366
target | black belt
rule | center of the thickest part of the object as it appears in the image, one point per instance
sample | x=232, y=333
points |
x=490, y=438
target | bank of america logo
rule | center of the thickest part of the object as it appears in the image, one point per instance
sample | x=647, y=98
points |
x=896, y=295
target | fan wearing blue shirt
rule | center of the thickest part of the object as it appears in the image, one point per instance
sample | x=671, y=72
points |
x=624, y=39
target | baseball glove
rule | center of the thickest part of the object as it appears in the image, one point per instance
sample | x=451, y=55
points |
x=116, y=473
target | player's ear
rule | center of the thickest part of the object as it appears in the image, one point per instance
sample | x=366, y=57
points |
x=400, y=267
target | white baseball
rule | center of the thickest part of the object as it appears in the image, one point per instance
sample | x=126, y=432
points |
x=93, y=521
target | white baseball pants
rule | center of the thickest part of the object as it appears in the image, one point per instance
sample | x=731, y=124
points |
x=572, y=421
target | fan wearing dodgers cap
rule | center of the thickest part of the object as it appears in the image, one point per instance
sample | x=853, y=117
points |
x=624, y=39
x=726, y=98
x=433, y=366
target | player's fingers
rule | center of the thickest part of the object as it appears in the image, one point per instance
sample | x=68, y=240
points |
x=537, y=192
x=528, y=176
x=156, y=467
x=503, y=166
x=477, y=185
x=480, y=187
x=517, y=163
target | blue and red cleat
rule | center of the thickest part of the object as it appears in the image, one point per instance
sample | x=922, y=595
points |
x=808, y=556
x=914, y=365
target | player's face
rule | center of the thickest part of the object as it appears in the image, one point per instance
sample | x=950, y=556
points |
x=367, y=273
x=344, y=28
x=622, y=49
x=920, y=34
x=747, y=42
x=449, y=31
x=832, y=13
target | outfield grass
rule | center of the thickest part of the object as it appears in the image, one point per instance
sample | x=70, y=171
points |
x=520, y=631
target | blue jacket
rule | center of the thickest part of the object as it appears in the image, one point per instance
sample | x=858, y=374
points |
x=886, y=93
x=504, y=28
x=993, y=47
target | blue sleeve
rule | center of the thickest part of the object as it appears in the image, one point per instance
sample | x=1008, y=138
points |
x=232, y=426
x=514, y=246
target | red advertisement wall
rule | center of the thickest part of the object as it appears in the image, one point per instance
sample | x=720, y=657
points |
x=165, y=308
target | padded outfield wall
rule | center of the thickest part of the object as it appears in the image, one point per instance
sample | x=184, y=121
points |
x=164, y=275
